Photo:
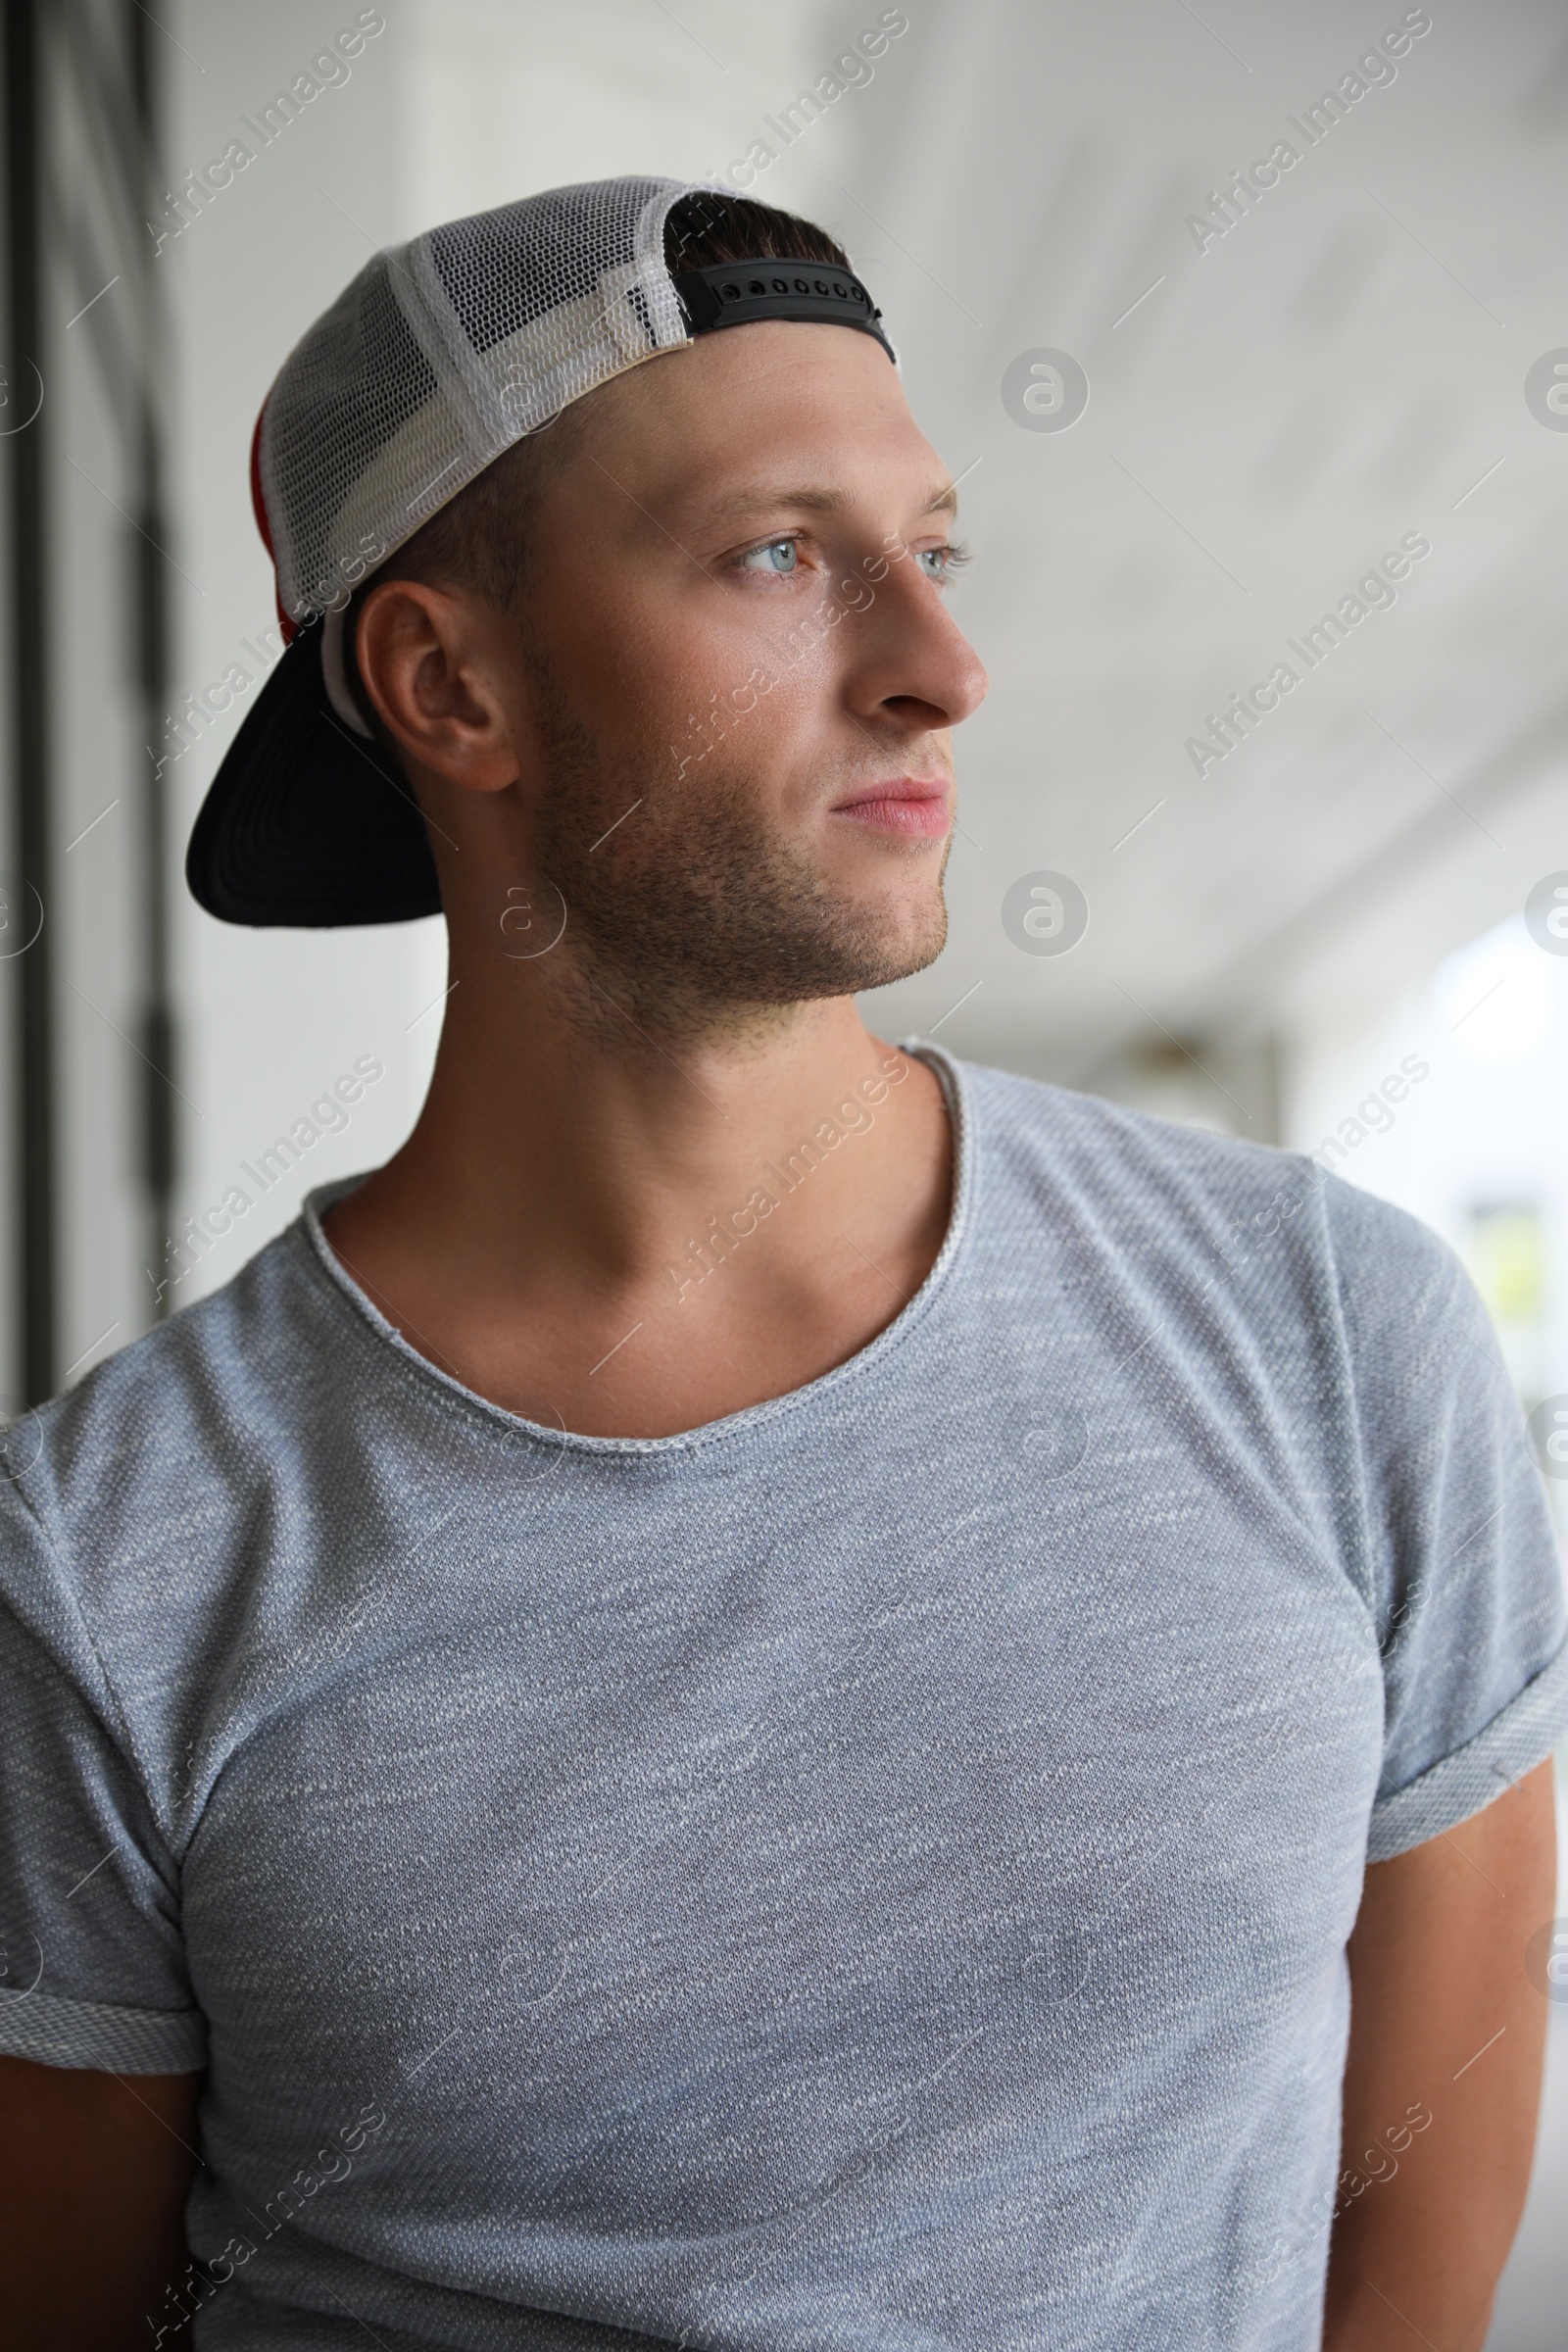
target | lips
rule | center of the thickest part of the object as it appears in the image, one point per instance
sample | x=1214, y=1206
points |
x=908, y=807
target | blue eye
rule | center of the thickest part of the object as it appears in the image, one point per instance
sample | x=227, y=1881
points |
x=945, y=561
x=775, y=547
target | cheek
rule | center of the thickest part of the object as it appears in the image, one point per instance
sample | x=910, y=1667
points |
x=679, y=694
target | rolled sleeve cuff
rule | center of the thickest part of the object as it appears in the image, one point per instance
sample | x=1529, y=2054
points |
x=90, y=2035
x=1516, y=1739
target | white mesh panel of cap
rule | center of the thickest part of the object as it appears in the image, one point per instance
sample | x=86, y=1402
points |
x=445, y=351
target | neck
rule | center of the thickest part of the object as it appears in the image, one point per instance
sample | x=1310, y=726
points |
x=570, y=1178
x=611, y=1143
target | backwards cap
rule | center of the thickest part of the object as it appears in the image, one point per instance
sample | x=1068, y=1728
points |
x=437, y=358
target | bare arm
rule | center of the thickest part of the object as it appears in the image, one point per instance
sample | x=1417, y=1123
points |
x=1443, y=2081
x=93, y=2174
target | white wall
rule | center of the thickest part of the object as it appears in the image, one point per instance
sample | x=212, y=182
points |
x=271, y=1018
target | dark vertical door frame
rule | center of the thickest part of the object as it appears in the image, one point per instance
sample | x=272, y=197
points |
x=29, y=686
x=151, y=619
x=129, y=164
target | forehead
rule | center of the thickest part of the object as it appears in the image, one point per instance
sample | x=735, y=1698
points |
x=695, y=425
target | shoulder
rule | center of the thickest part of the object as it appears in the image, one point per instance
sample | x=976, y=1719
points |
x=1231, y=1249
x=123, y=1495
x=1031, y=1123
x=194, y=1381
x=1139, y=1176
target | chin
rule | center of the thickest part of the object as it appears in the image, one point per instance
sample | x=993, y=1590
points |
x=913, y=939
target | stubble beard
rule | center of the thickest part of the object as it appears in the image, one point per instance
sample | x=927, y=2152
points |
x=689, y=916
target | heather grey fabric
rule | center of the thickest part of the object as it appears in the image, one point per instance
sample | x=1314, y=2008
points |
x=872, y=1871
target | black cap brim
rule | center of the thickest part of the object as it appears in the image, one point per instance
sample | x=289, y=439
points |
x=306, y=825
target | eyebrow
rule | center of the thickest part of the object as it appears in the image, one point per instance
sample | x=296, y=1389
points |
x=754, y=495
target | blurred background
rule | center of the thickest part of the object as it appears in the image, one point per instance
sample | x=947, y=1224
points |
x=1211, y=313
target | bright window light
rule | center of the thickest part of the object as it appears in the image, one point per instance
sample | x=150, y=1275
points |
x=1494, y=997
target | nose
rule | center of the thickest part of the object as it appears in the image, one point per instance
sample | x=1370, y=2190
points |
x=906, y=657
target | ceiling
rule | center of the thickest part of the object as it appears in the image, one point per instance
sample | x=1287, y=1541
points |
x=1344, y=367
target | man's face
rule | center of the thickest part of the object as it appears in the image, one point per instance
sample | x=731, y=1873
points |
x=740, y=658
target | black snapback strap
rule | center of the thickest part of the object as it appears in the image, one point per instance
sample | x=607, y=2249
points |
x=734, y=293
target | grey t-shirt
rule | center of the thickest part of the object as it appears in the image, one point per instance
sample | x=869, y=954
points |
x=871, y=1871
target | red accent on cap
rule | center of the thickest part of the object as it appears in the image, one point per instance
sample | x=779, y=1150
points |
x=285, y=620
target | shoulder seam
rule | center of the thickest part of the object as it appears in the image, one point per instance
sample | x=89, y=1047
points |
x=107, y=1702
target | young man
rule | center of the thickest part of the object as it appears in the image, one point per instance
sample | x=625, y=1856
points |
x=775, y=1692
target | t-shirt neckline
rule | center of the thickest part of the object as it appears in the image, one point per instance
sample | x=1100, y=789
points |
x=729, y=1426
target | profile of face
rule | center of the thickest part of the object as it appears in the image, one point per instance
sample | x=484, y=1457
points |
x=734, y=636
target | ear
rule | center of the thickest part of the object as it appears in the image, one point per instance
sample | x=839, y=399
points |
x=432, y=664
